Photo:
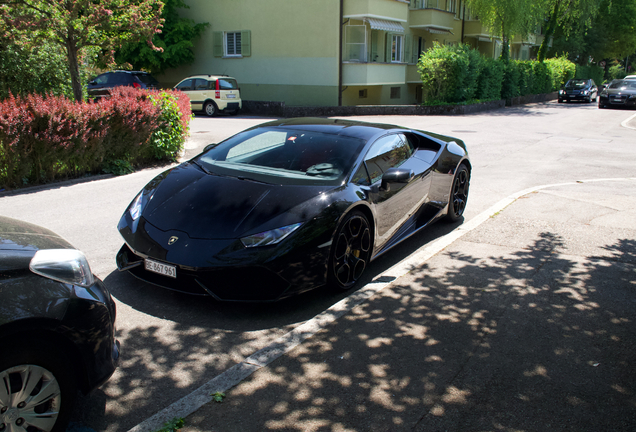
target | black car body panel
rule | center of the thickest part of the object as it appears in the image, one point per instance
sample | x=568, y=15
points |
x=196, y=214
x=100, y=85
x=33, y=306
x=578, y=90
x=619, y=93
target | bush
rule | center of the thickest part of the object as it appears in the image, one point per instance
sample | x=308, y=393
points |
x=594, y=72
x=510, y=83
x=43, y=138
x=490, y=79
x=561, y=70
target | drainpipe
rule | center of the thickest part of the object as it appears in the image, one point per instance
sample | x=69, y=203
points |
x=340, y=17
x=463, y=19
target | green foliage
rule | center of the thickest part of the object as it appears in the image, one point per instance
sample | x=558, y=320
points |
x=172, y=425
x=218, y=397
x=510, y=83
x=616, y=71
x=490, y=79
x=561, y=69
x=26, y=69
x=168, y=139
x=542, y=81
x=118, y=167
x=449, y=73
x=176, y=40
x=590, y=71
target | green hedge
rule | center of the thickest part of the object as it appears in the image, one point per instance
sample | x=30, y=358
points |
x=45, y=138
x=456, y=74
x=590, y=71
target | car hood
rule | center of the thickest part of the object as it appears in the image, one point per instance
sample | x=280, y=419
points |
x=208, y=206
x=626, y=91
x=20, y=235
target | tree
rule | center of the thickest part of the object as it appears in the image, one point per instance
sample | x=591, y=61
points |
x=78, y=24
x=568, y=16
x=176, y=40
x=507, y=18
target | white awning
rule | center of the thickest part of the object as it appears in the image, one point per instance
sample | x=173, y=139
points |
x=385, y=25
x=434, y=29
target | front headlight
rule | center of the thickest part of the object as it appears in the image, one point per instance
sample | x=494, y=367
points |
x=63, y=265
x=561, y=92
x=139, y=203
x=269, y=237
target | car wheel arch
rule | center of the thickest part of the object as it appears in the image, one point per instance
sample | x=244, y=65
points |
x=40, y=330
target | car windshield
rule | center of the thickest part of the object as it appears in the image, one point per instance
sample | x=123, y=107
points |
x=283, y=156
x=623, y=84
x=574, y=84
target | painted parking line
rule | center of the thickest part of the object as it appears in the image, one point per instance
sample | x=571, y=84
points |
x=625, y=123
x=233, y=376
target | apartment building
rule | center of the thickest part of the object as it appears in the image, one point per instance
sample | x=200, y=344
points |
x=327, y=52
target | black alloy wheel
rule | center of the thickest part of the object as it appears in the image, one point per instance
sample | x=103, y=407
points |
x=209, y=109
x=351, y=251
x=37, y=388
x=459, y=194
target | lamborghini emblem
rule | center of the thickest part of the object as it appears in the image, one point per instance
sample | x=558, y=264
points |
x=172, y=240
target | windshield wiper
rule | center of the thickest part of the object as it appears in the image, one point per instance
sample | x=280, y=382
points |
x=204, y=169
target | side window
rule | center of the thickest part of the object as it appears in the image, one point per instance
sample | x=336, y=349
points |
x=227, y=84
x=361, y=177
x=200, y=84
x=387, y=152
x=212, y=85
x=185, y=85
x=103, y=78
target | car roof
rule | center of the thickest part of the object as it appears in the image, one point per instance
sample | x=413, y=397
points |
x=349, y=128
x=206, y=76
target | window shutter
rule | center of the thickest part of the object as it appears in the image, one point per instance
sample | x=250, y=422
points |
x=407, y=49
x=389, y=43
x=374, y=46
x=246, y=43
x=217, y=45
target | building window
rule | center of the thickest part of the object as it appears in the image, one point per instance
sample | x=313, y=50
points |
x=355, y=43
x=362, y=94
x=233, y=43
x=397, y=49
x=395, y=92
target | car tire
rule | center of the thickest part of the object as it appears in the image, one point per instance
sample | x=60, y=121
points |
x=350, y=251
x=458, y=194
x=210, y=109
x=20, y=366
x=560, y=100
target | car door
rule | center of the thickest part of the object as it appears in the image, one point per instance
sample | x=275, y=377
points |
x=99, y=86
x=187, y=86
x=396, y=202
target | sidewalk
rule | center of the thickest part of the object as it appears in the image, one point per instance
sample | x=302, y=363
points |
x=526, y=323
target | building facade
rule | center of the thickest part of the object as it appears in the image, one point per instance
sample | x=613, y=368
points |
x=327, y=52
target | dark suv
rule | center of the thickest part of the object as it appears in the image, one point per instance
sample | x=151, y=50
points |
x=101, y=85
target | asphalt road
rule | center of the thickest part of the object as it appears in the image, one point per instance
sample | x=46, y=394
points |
x=173, y=343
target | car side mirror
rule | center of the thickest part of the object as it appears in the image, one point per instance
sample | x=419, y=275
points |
x=395, y=175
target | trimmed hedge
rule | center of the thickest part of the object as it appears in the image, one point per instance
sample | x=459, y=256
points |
x=45, y=138
x=455, y=74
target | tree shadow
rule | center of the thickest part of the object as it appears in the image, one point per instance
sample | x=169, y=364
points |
x=528, y=339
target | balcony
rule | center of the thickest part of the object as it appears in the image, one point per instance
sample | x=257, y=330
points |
x=391, y=10
x=476, y=30
x=358, y=74
x=433, y=20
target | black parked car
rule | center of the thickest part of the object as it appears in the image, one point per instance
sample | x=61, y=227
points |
x=619, y=93
x=56, y=328
x=101, y=85
x=578, y=90
x=291, y=205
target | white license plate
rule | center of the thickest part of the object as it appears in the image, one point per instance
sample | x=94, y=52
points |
x=231, y=96
x=161, y=268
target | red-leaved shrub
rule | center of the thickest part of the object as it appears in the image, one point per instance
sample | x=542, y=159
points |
x=43, y=138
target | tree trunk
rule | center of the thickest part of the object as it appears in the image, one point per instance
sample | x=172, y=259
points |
x=549, y=31
x=73, y=66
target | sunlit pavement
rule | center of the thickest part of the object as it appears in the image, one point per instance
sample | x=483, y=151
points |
x=524, y=323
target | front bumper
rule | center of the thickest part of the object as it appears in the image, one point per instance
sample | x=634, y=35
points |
x=224, y=269
x=617, y=100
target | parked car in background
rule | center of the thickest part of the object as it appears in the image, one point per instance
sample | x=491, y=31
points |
x=291, y=205
x=212, y=94
x=630, y=77
x=100, y=85
x=56, y=328
x=620, y=92
x=579, y=90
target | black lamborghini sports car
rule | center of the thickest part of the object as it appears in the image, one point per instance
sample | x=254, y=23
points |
x=290, y=205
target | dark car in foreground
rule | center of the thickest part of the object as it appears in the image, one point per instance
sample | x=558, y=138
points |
x=620, y=93
x=100, y=85
x=584, y=90
x=56, y=328
x=291, y=205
